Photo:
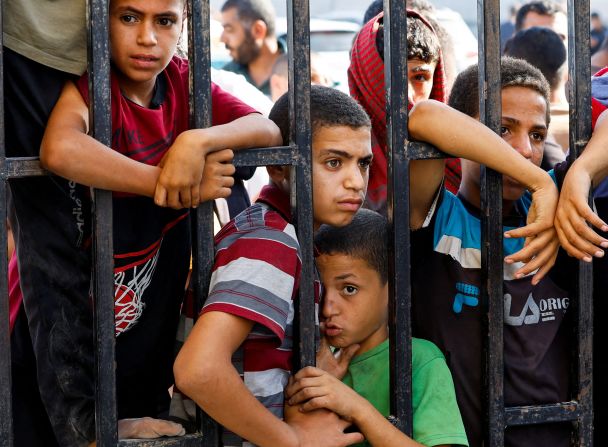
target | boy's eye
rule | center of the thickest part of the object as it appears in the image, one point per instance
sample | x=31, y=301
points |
x=333, y=163
x=128, y=18
x=364, y=164
x=537, y=136
x=166, y=21
x=504, y=130
x=349, y=290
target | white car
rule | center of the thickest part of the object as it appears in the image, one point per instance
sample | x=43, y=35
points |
x=331, y=40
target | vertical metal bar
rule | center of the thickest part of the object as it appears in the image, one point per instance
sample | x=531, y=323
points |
x=395, y=75
x=202, y=221
x=298, y=42
x=488, y=18
x=580, y=132
x=103, y=271
x=6, y=412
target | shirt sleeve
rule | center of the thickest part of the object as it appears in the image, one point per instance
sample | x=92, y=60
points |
x=255, y=277
x=227, y=108
x=82, y=84
x=437, y=419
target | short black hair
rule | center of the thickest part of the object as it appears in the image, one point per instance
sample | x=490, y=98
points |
x=423, y=7
x=543, y=48
x=513, y=73
x=375, y=8
x=422, y=42
x=542, y=7
x=328, y=108
x=248, y=11
x=365, y=238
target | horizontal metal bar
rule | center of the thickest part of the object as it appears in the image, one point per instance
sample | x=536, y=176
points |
x=192, y=440
x=280, y=155
x=417, y=150
x=540, y=414
x=19, y=167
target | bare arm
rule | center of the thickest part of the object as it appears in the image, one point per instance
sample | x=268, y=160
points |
x=204, y=371
x=178, y=184
x=462, y=136
x=573, y=211
x=68, y=151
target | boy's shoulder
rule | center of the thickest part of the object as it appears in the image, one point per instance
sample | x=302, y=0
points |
x=423, y=353
x=267, y=220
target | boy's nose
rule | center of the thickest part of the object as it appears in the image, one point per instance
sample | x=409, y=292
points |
x=523, y=146
x=355, y=180
x=329, y=309
x=147, y=36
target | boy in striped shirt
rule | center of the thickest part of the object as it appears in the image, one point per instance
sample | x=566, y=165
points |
x=246, y=324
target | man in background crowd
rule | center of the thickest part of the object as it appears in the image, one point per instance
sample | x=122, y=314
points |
x=249, y=36
x=543, y=13
x=598, y=32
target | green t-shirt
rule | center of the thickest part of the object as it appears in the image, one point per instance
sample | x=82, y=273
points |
x=437, y=419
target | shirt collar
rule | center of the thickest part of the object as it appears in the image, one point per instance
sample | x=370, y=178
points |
x=276, y=198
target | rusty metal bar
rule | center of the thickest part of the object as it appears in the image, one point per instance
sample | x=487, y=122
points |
x=536, y=414
x=298, y=43
x=488, y=19
x=103, y=259
x=395, y=69
x=202, y=221
x=580, y=131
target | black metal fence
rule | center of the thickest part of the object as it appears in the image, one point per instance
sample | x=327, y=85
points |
x=298, y=154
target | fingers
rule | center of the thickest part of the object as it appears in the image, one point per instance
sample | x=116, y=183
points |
x=544, y=270
x=543, y=262
x=353, y=438
x=309, y=371
x=195, y=196
x=345, y=355
x=532, y=247
x=306, y=393
x=223, y=156
x=160, y=195
x=529, y=230
x=185, y=199
x=587, y=213
x=315, y=403
x=173, y=199
x=577, y=238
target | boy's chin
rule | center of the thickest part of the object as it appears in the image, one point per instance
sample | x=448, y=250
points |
x=512, y=192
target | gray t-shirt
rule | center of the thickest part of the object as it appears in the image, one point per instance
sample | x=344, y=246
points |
x=50, y=32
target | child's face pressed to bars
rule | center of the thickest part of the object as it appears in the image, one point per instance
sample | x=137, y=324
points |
x=420, y=79
x=341, y=157
x=524, y=127
x=143, y=39
x=355, y=302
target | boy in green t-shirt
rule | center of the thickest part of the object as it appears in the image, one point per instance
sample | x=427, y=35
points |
x=353, y=265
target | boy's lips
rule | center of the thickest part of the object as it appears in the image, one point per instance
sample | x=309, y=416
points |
x=350, y=204
x=144, y=60
x=332, y=330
